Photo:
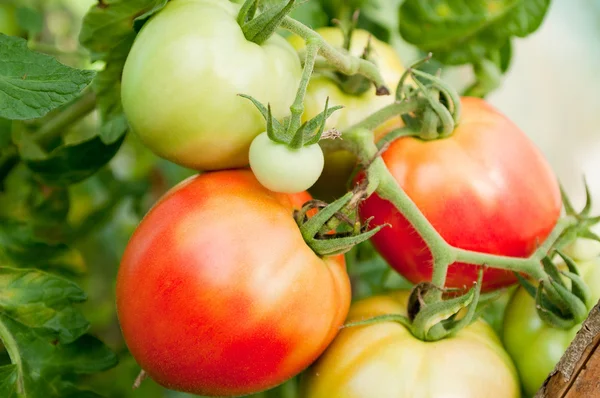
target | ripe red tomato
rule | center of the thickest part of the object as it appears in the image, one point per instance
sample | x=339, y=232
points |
x=485, y=188
x=218, y=294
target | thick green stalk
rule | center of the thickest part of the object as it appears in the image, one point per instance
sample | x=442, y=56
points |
x=297, y=108
x=343, y=62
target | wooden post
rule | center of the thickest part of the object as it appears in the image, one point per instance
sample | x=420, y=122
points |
x=577, y=374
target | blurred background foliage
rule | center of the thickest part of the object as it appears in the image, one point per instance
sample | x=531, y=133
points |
x=547, y=91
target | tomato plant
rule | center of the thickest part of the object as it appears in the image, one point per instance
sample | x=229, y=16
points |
x=218, y=294
x=386, y=360
x=182, y=77
x=339, y=164
x=284, y=169
x=485, y=188
x=535, y=346
x=227, y=287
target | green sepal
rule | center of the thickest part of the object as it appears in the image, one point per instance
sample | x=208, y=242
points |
x=538, y=295
x=318, y=123
x=401, y=319
x=311, y=227
x=260, y=28
x=337, y=243
x=588, y=200
x=577, y=308
x=552, y=270
x=341, y=245
x=275, y=130
x=438, y=319
x=583, y=222
x=247, y=11
x=578, y=285
x=550, y=317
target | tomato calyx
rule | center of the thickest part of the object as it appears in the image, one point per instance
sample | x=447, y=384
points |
x=440, y=113
x=431, y=317
x=309, y=132
x=562, y=300
x=259, y=28
x=335, y=228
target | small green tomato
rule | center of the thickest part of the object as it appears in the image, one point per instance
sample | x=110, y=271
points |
x=284, y=169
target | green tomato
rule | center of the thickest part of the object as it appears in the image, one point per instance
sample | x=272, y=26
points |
x=284, y=169
x=8, y=20
x=535, y=346
x=182, y=77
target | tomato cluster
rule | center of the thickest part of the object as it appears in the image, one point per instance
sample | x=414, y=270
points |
x=219, y=293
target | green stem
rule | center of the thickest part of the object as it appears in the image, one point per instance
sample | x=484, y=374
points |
x=345, y=63
x=55, y=127
x=297, y=108
x=383, y=183
x=388, y=112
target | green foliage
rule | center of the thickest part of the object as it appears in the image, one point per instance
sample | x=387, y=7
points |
x=477, y=32
x=74, y=184
x=45, y=335
x=32, y=84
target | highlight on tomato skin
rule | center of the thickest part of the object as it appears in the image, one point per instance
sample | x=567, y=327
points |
x=217, y=292
x=486, y=188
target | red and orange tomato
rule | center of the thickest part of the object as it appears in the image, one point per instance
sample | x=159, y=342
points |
x=485, y=188
x=218, y=294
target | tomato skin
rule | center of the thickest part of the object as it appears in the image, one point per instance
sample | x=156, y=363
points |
x=485, y=188
x=218, y=294
x=339, y=164
x=535, y=346
x=385, y=360
x=284, y=169
x=182, y=78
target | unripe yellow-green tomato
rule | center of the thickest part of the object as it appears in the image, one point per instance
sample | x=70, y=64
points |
x=384, y=360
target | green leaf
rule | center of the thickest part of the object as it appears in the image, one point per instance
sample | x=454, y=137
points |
x=26, y=199
x=68, y=163
x=43, y=335
x=21, y=246
x=8, y=380
x=32, y=84
x=465, y=31
x=24, y=298
x=109, y=23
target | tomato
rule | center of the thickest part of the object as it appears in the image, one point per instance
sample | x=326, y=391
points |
x=385, y=360
x=218, y=294
x=8, y=20
x=284, y=169
x=339, y=164
x=535, y=346
x=182, y=77
x=486, y=188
